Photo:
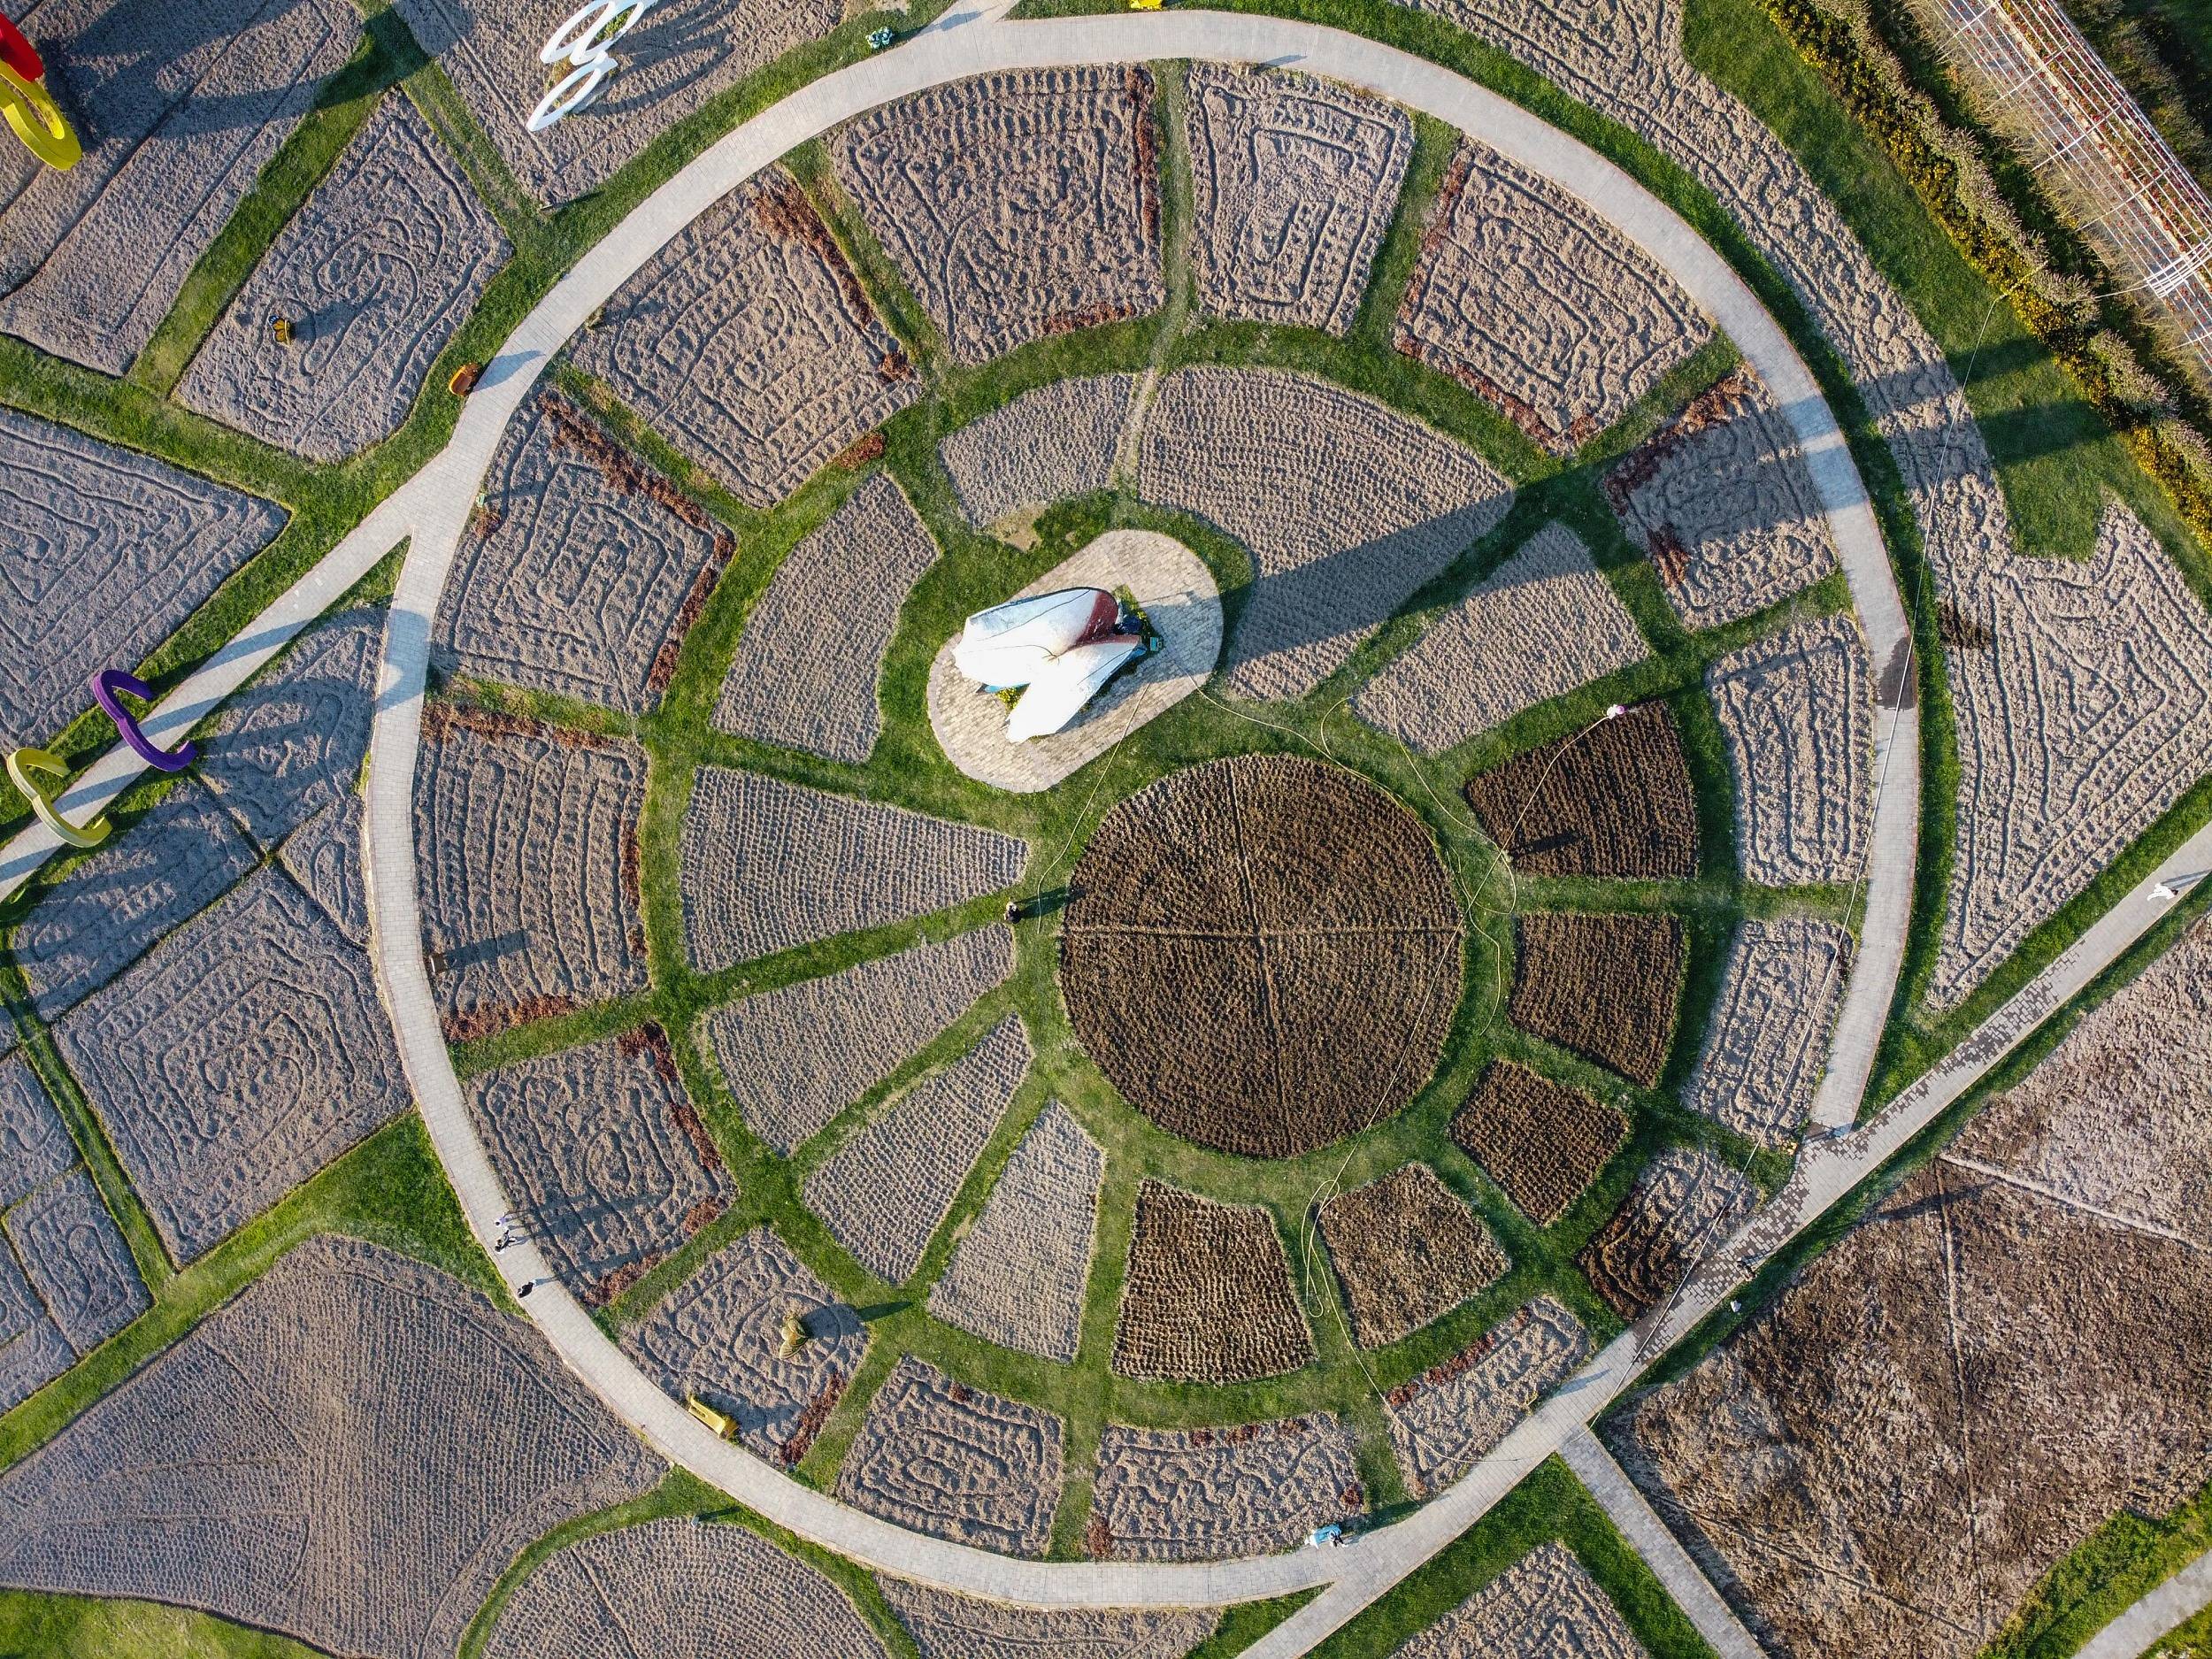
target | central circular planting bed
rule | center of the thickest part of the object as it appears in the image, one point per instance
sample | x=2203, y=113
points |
x=1262, y=953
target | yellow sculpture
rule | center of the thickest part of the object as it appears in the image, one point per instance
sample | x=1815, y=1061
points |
x=37, y=121
x=23, y=763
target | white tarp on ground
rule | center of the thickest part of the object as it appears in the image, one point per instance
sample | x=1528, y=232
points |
x=1062, y=645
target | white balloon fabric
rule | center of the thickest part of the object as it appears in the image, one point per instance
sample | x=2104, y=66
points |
x=1061, y=645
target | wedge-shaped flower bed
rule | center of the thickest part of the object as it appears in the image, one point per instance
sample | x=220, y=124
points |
x=1607, y=986
x=947, y=1625
x=1682, y=1208
x=1446, y=1419
x=1542, y=1142
x=1054, y=442
x=1544, y=1604
x=1206, y=1296
x=1611, y=800
x=1407, y=1250
x=1203, y=1494
x=1768, y=1042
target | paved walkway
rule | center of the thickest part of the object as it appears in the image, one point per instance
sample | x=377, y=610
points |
x=2137, y=1631
x=1648, y=1537
x=433, y=508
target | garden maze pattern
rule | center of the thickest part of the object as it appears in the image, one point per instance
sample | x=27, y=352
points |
x=1204, y=1494
x=526, y=845
x=583, y=571
x=246, y=1053
x=1295, y=181
x=605, y=1154
x=75, y=1258
x=718, y=1337
x=1444, y=1421
x=103, y=553
x=1766, y=1043
x=1019, y=205
x=955, y=1462
x=1530, y=302
x=747, y=341
x=387, y=258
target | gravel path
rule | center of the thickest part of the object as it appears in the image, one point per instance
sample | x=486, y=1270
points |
x=794, y=1057
x=810, y=659
x=748, y=343
x=103, y=554
x=457, y=1439
x=1543, y=624
x=1296, y=182
x=384, y=260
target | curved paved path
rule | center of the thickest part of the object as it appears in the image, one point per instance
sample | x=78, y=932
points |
x=433, y=508
x=2139, y=1630
x=963, y=44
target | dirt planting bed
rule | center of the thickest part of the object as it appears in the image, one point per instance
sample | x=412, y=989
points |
x=1207, y=1494
x=748, y=341
x=1017, y=1278
x=95, y=254
x=2078, y=727
x=1612, y=800
x=1305, y=911
x=1206, y=1294
x=1345, y=505
x=946, y=1625
x=1407, y=1251
x=526, y=847
x=75, y=1259
x=1767, y=1044
x=677, y=60
x=794, y=1057
x=35, y=1146
x=768, y=865
x=1683, y=1208
x=1543, y=1606
x=1295, y=181
x=246, y=1054
x=1530, y=302
x=1607, y=986
x=324, y=857
x=33, y=1351
x=888, y=1189
x=832, y=607
x=603, y=1154
x=112, y=906
x=1542, y=1142
x=292, y=743
x=103, y=554
x=1048, y=444
x=680, y=1588
x=718, y=1338
x=957, y=1463
x=584, y=571
x=1797, y=712
x=1720, y=499
x=437, y=1436
x=1016, y=205
x=2119, y=1117
x=1543, y=624
x=387, y=258
x=1447, y=1419
x=1842, y=1479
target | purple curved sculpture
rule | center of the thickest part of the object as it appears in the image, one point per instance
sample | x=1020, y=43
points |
x=106, y=684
